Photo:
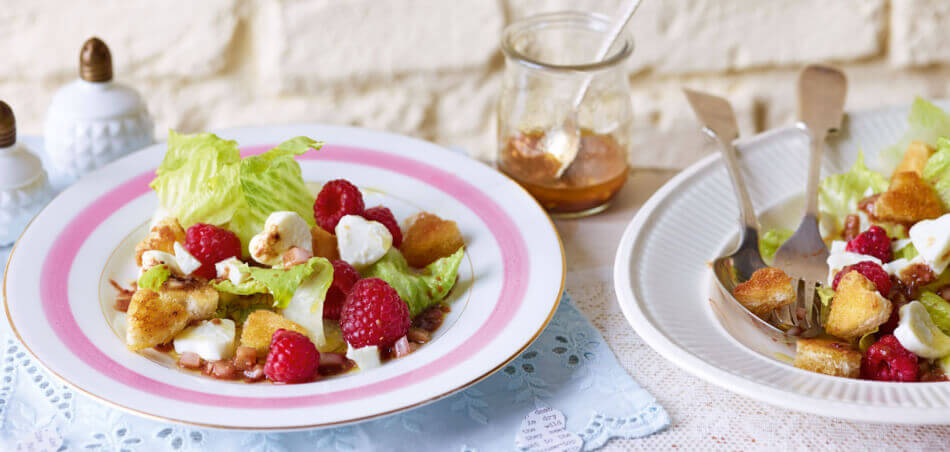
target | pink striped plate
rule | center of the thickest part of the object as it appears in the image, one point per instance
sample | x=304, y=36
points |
x=59, y=301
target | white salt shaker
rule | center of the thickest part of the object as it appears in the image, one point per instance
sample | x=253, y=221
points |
x=24, y=186
x=93, y=120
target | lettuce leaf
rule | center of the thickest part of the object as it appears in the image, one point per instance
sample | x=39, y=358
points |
x=238, y=308
x=926, y=122
x=418, y=290
x=281, y=283
x=825, y=295
x=203, y=179
x=838, y=195
x=305, y=307
x=907, y=252
x=867, y=341
x=154, y=277
x=937, y=171
x=942, y=281
x=197, y=181
x=938, y=308
x=271, y=182
x=770, y=242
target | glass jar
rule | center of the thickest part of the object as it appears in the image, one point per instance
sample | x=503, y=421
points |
x=547, y=59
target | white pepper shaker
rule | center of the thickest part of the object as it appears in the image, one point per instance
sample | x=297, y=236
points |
x=93, y=120
x=24, y=186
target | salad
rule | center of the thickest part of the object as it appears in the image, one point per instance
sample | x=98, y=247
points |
x=885, y=307
x=246, y=275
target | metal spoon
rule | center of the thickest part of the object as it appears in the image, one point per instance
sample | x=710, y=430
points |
x=564, y=140
x=719, y=121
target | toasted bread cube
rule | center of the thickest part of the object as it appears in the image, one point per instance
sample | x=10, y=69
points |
x=156, y=317
x=908, y=200
x=152, y=320
x=324, y=243
x=915, y=158
x=161, y=237
x=261, y=325
x=767, y=290
x=828, y=357
x=199, y=296
x=857, y=308
x=429, y=238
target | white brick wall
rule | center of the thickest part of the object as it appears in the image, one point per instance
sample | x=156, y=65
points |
x=431, y=68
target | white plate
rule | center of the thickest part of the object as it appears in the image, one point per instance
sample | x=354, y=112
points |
x=59, y=301
x=665, y=287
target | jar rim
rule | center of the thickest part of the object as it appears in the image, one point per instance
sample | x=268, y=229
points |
x=592, y=21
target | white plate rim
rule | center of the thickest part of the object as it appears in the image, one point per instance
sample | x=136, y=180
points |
x=228, y=132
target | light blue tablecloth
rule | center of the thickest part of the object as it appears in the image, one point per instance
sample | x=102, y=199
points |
x=568, y=368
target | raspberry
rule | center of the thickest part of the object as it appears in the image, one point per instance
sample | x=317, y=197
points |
x=292, y=358
x=336, y=199
x=873, y=242
x=210, y=245
x=373, y=314
x=385, y=216
x=871, y=271
x=344, y=276
x=888, y=360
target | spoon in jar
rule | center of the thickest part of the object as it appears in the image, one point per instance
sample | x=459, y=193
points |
x=564, y=140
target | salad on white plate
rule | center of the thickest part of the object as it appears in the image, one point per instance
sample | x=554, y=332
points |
x=885, y=308
x=246, y=275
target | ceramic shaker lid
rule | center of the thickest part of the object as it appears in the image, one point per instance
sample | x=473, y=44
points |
x=7, y=126
x=95, y=61
x=18, y=167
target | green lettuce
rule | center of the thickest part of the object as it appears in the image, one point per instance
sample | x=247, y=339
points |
x=305, y=307
x=154, y=277
x=271, y=182
x=937, y=171
x=907, y=252
x=238, y=308
x=770, y=242
x=938, y=308
x=419, y=290
x=867, y=341
x=825, y=295
x=203, y=179
x=280, y=283
x=198, y=178
x=942, y=281
x=926, y=122
x=838, y=195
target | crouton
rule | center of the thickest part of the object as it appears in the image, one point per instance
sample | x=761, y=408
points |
x=161, y=237
x=324, y=243
x=857, y=308
x=767, y=290
x=908, y=200
x=828, y=357
x=201, y=299
x=429, y=238
x=261, y=325
x=156, y=317
x=915, y=158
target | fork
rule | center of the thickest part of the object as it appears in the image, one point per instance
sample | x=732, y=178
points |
x=821, y=94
